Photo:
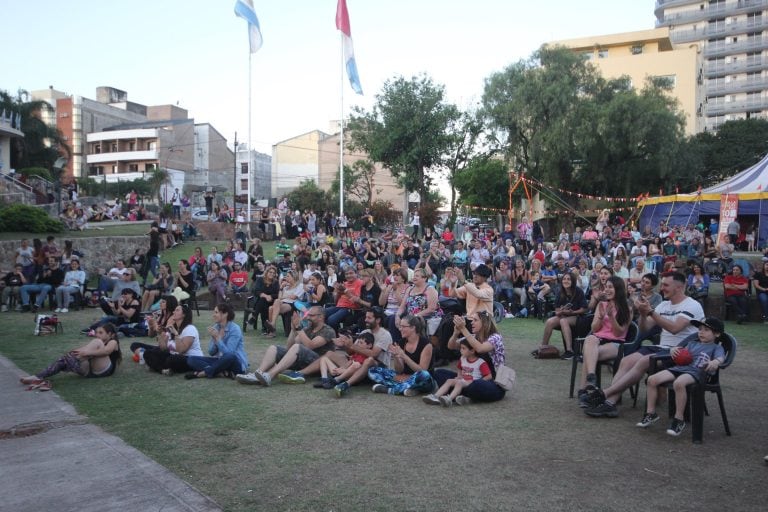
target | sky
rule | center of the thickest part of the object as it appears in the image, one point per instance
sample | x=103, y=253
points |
x=195, y=52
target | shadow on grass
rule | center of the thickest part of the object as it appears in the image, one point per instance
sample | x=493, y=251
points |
x=297, y=448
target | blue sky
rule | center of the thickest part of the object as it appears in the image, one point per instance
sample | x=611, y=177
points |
x=195, y=52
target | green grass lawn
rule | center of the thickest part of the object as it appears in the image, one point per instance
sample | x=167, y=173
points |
x=297, y=448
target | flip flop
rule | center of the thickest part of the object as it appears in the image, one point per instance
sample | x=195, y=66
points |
x=31, y=379
x=45, y=386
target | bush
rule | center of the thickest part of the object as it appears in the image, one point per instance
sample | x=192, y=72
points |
x=20, y=217
x=36, y=171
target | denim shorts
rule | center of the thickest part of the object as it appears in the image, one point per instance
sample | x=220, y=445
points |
x=304, y=358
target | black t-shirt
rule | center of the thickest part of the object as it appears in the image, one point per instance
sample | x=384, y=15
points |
x=415, y=355
x=154, y=244
x=12, y=279
x=762, y=279
x=370, y=296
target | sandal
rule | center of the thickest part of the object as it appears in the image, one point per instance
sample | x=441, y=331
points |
x=31, y=379
x=45, y=386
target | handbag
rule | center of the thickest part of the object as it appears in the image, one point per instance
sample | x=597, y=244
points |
x=546, y=352
x=433, y=323
x=505, y=377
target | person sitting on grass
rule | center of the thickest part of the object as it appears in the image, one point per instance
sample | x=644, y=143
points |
x=226, y=351
x=377, y=355
x=411, y=362
x=125, y=310
x=97, y=358
x=301, y=355
x=355, y=360
x=176, y=344
x=706, y=357
x=471, y=368
x=157, y=323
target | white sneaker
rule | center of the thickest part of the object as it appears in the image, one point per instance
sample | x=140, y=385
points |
x=3, y=308
x=57, y=310
x=64, y=310
x=246, y=378
x=431, y=400
x=263, y=378
x=463, y=400
x=446, y=400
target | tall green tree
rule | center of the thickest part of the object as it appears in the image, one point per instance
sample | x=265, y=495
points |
x=465, y=135
x=42, y=144
x=484, y=182
x=359, y=183
x=406, y=130
x=307, y=196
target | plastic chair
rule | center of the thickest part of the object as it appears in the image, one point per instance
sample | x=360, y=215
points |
x=696, y=407
x=631, y=344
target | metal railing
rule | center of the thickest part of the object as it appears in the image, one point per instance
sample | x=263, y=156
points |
x=723, y=29
x=740, y=66
x=744, y=46
x=712, y=11
x=736, y=106
x=745, y=85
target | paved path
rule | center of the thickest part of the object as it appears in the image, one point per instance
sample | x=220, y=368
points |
x=51, y=458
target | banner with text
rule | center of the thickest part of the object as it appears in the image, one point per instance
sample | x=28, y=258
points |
x=729, y=206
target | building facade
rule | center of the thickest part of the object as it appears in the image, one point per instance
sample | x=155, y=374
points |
x=261, y=178
x=730, y=34
x=648, y=54
x=295, y=160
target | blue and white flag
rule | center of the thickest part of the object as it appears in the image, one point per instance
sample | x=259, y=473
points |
x=342, y=23
x=244, y=9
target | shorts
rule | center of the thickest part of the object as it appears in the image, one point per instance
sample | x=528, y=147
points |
x=304, y=358
x=653, y=349
x=605, y=341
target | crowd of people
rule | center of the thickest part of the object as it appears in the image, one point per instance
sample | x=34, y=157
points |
x=397, y=310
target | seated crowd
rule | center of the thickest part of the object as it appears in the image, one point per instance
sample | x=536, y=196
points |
x=396, y=310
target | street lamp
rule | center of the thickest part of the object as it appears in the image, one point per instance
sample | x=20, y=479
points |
x=58, y=168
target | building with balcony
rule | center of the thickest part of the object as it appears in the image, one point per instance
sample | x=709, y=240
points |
x=10, y=128
x=261, y=177
x=295, y=160
x=731, y=34
x=648, y=54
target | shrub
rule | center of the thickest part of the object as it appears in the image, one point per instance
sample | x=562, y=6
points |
x=20, y=217
x=36, y=171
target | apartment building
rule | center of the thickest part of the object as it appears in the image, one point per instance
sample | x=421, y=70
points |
x=648, y=53
x=261, y=178
x=731, y=36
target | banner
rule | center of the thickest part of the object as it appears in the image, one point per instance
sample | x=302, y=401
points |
x=729, y=206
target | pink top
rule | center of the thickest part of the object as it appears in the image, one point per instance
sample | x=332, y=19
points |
x=606, y=330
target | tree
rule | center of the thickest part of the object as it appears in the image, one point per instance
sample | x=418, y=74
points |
x=157, y=178
x=406, y=130
x=464, y=135
x=484, y=182
x=307, y=196
x=42, y=144
x=358, y=182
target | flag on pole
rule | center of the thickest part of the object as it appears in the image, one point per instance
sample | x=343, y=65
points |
x=244, y=9
x=342, y=23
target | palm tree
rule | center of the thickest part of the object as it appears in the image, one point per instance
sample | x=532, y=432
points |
x=157, y=179
x=42, y=145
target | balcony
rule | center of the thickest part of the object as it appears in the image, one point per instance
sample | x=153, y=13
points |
x=748, y=105
x=713, y=70
x=721, y=30
x=747, y=45
x=713, y=11
x=122, y=156
x=737, y=86
x=115, y=135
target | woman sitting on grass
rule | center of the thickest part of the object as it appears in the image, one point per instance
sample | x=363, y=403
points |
x=226, y=351
x=97, y=358
x=411, y=362
x=177, y=342
x=157, y=322
x=485, y=340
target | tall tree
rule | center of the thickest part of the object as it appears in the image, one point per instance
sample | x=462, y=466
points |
x=359, y=182
x=484, y=182
x=464, y=136
x=42, y=144
x=406, y=130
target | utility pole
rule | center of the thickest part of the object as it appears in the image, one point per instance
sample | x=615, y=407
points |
x=234, y=180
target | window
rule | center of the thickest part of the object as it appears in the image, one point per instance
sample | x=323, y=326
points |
x=602, y=54
x=636, y=49
x=114, y=169
x=113, y=147
x=244, y=168
x=666, y=80
x=587, y=55
x=132, y=146
x=150, y=167
x=133, y=167
x=152, y=145
x=95, y=170
x=97, y=148
x=243, y=184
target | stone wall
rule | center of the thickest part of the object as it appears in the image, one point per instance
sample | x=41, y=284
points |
x=100, y=252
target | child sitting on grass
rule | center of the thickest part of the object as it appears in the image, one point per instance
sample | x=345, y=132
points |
x=471, y=368
x=354, y=362
x=706, y=357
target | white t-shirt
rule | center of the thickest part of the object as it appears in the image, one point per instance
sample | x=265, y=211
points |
x=383, y=339
x=690, y=308
x=194, y=348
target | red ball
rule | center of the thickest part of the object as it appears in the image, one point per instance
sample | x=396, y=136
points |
x=683, y=357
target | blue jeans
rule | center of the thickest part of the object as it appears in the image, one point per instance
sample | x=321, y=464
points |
x=479, y=390
x=335, y=316
x=420, y=381
x=763, y=298
x=212, y=366
x=41, y=290
x=153, y=265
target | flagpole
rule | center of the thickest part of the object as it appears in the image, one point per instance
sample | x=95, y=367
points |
x=250, y=166
x=341, y=131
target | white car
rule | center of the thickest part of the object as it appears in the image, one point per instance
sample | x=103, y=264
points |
x=200, y=215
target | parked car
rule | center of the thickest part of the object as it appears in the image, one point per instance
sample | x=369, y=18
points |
x=200, y=214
